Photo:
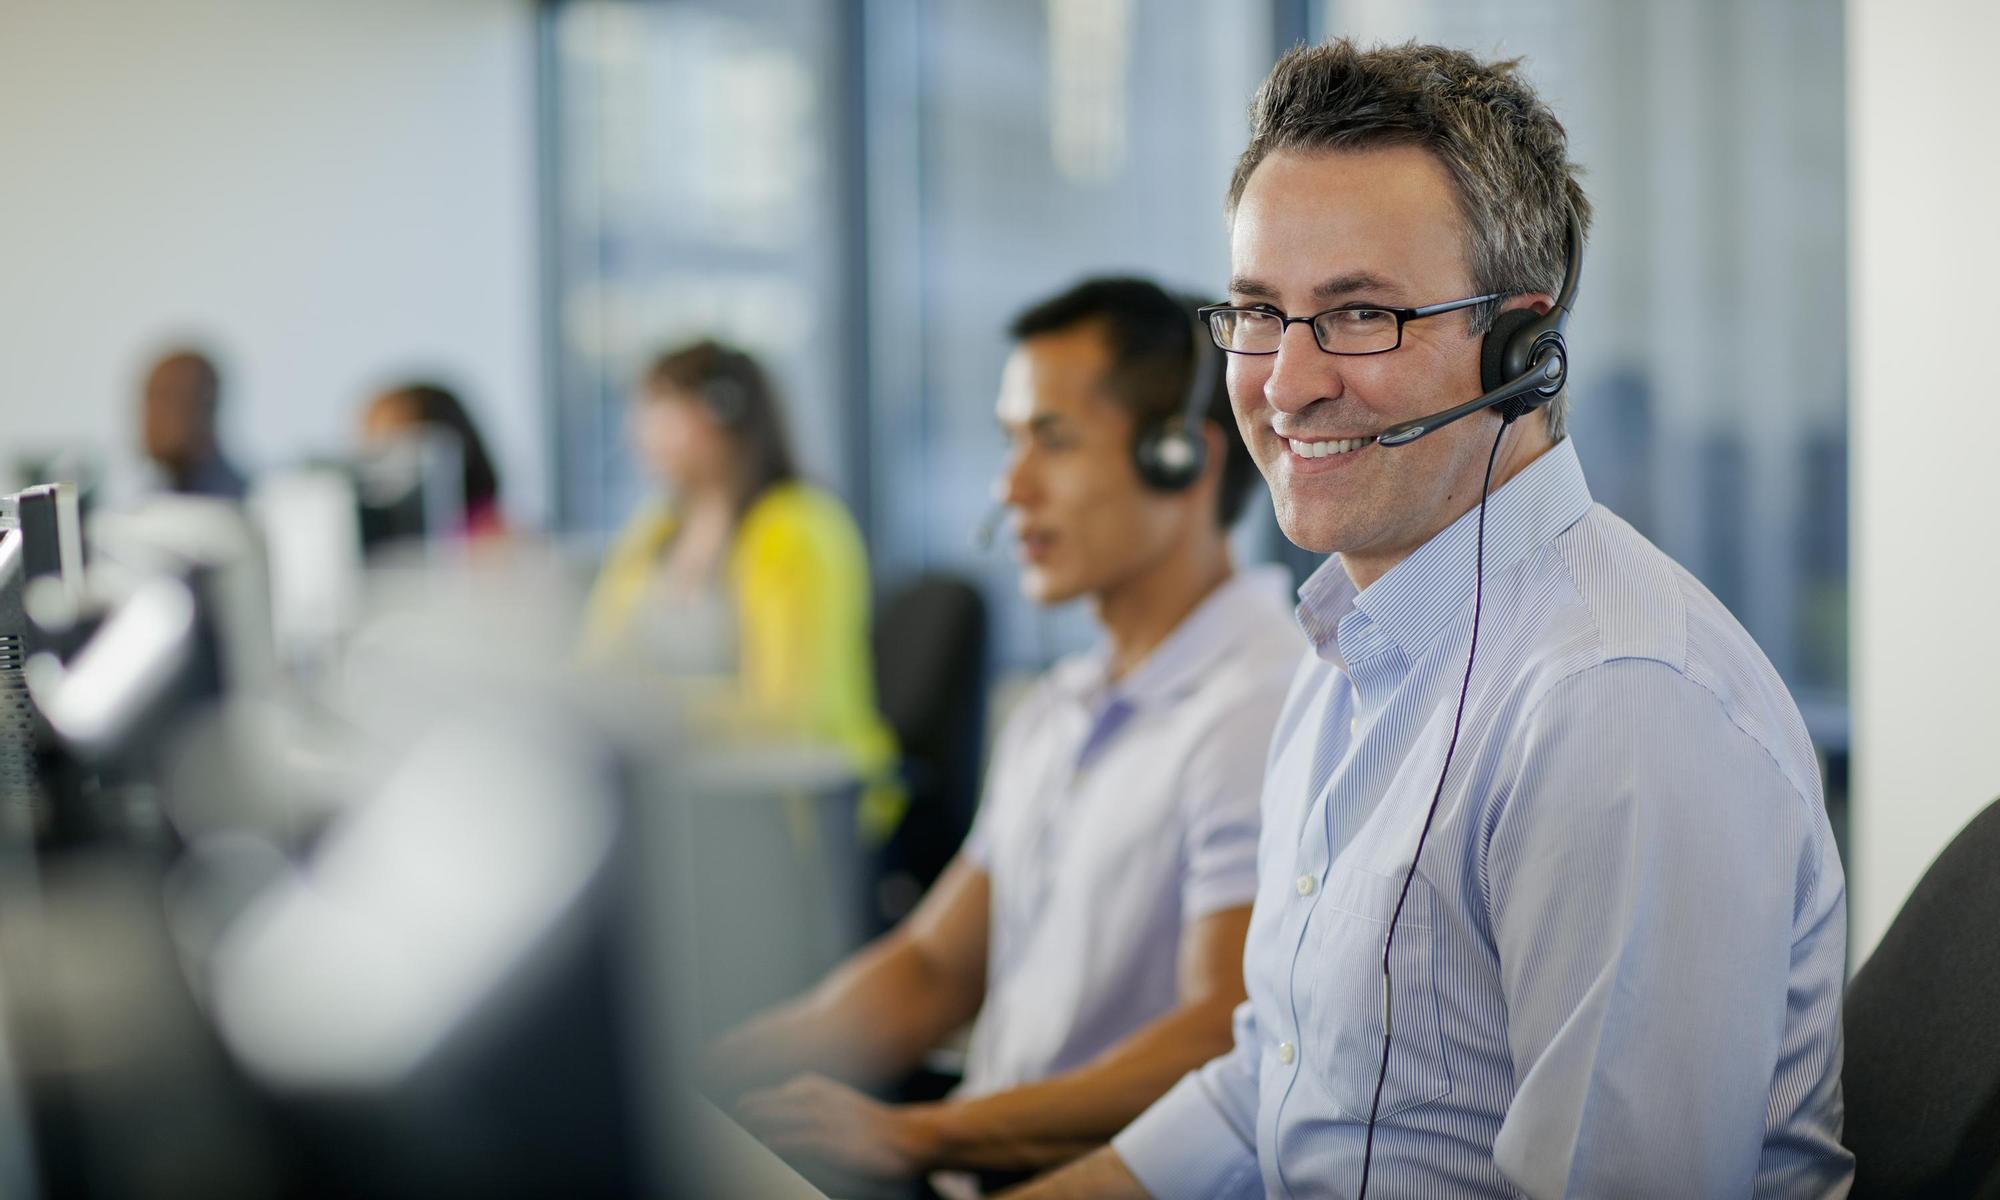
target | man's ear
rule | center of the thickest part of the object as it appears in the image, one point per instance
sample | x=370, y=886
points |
x=1541, y=302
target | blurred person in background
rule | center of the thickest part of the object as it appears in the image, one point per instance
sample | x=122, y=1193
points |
x=179, y=406
x=1094, y=920
x=424, y=406
x=744, y=572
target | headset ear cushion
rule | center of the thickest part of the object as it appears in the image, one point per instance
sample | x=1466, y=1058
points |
x=1509, y=347
x=1168, y=457
x=727, y=401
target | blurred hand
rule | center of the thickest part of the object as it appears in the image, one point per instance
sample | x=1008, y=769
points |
x=829, y=1130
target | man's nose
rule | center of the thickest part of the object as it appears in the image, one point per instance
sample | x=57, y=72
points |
x=1015, y=485
x=1301, y=373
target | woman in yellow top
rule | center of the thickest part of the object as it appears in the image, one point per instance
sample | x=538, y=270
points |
x=747, y=573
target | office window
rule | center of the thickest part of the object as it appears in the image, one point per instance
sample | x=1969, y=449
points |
x=694, y=189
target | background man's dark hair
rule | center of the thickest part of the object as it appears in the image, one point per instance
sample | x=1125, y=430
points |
x=1150, y=334
x=739, y=391
x=202, y=372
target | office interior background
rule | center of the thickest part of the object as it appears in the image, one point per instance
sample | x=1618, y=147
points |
x=1779, y=376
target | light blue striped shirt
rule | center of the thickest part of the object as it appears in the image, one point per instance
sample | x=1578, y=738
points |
x=1619, y=971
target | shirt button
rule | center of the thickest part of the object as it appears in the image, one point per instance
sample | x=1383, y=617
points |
x=1306, y=885
x=1287, y=1052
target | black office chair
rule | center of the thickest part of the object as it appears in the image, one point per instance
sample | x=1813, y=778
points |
x=930, y=680
x=1922, y=1076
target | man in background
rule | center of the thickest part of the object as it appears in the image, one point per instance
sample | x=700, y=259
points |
x=1094, y=920
x=182, y=394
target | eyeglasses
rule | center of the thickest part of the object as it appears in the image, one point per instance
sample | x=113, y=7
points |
x=1353, y=329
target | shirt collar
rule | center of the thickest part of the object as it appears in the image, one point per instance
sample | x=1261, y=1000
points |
x=1178, y=662
x=1411, y=604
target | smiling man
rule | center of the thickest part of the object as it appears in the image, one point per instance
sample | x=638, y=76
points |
x=1548, y=902
x=1094, y=921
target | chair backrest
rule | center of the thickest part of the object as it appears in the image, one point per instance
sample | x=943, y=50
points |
x=1922, y=1073
x=930, y=679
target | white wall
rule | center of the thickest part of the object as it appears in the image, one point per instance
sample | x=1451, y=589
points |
x=328, y=191
x=1926, y=428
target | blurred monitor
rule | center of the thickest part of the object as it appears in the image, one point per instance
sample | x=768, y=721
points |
x=410, y=488
x=213, y=545
x=49, y=518
x=40, y=538
x=311, y=517
x=174, y=619
x=81, y=467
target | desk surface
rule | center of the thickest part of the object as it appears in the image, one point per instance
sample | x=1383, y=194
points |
x=738, y=1167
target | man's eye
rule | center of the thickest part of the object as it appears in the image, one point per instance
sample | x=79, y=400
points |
x=1359, y=317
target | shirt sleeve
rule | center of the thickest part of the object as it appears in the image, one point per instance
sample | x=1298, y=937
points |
x=1199, y=1140
x=1641, y=878
x=1222, y=790
x=978, y=847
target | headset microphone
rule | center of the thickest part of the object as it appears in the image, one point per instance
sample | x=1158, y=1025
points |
x=1524, y=360
x=1169, y=455
x=1546, y=373
x=989, y=526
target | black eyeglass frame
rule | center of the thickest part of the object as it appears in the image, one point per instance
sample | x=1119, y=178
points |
x=1403, y=316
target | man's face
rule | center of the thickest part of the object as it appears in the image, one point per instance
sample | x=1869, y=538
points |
x=1085, y=521
x=1322, y=229
x=178, y=413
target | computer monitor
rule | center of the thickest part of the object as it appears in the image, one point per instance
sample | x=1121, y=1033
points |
x=40, y=538
x=411, y=489
x=52, y=534
x=311, y=520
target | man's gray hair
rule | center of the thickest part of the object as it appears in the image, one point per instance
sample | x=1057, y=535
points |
x=1506, y=153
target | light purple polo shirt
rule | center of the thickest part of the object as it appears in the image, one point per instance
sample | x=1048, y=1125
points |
x=1115, y=814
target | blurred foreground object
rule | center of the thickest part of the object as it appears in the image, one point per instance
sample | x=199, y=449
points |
x=427, y=922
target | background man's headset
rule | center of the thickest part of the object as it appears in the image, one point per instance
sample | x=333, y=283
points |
x=1523, y=363
x=725, y=392
x=1169, y=454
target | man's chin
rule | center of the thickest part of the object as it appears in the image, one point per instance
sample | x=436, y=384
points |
x=1048, y=590
x=1308, y=530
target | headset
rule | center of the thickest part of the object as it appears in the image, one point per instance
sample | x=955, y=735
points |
x=1523, y=363
x=1523, y=360
x=727, y=398
x=1169, y=454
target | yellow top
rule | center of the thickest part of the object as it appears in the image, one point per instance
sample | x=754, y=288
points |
x=797, y=579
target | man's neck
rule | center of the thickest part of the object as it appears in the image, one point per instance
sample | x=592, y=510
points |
x=185, y=472
x=1142, y=610
x=1365, y=569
